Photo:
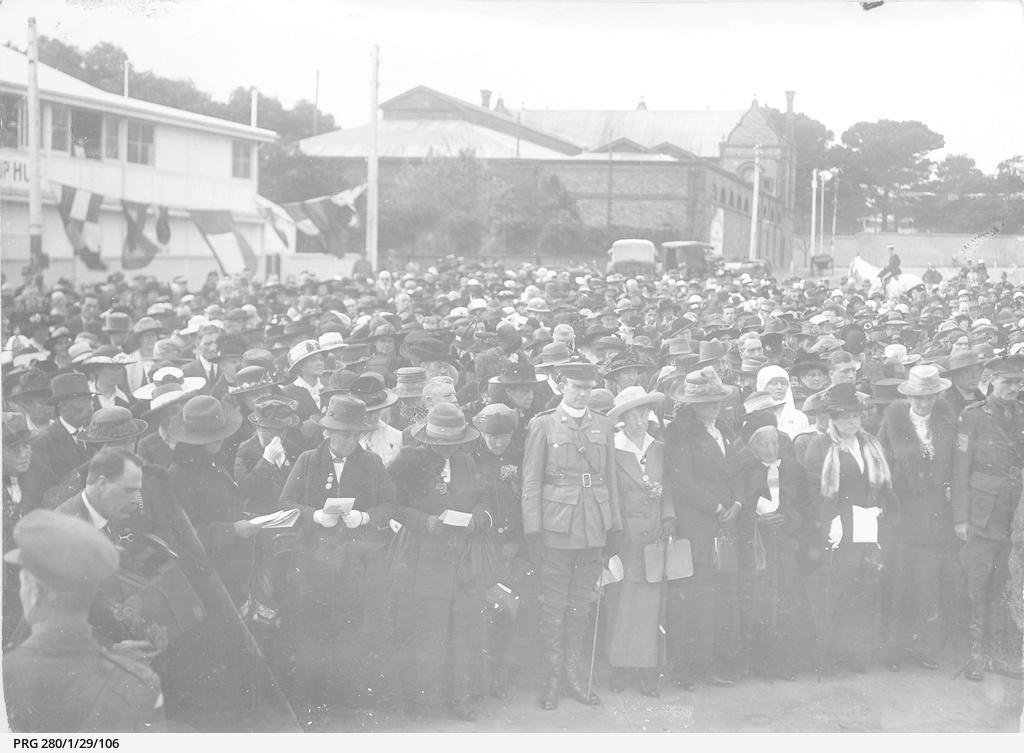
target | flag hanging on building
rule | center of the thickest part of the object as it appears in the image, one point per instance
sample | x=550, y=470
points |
x=276, y=217
x=233, y=252
x=324, y=215
x=80, y=213
x=138, y=249
x=163, y=226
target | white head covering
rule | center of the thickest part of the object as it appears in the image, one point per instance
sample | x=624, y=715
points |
x=792, y=421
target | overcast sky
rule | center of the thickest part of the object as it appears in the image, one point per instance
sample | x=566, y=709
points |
x=956, y=66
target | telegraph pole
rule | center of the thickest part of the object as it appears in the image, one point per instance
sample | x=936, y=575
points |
x=35, y=196
x=371, y=167
x=752, y=255
x=316, y=100
x=814, y=212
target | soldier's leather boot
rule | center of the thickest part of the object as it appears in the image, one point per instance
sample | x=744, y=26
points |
x=577, y=654
x=551, y=629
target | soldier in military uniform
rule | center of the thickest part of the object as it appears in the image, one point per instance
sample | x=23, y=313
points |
x=985, y=488
x=572, y=523
x=59, y=679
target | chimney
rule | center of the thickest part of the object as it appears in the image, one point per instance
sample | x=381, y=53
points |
x=485, y=99
x=789, y=101
x=641, y=105
x=499, y=106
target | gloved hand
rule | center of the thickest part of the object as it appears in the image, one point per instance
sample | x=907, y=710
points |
x=668, y=529
x=534, y=545
x=612, y=543
x=274, y=451
x=355, y=518
x=434, y=524
x=962, y=531
x=325, y=519
x=729, y=513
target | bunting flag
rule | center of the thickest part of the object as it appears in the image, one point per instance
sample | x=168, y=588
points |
x=233, y=252
x=138, y=249
x=163, y=227
x=970, y=248
x=80, y=213
x=324, y=215
x=275, y=216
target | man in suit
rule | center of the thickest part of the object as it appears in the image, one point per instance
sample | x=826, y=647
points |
x=17, y=454
x=60, y=679
x=57, y=450
x=29, y=397
x=572, y=523
x=206, y=350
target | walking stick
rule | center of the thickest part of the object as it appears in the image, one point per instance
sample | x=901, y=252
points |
x=663, y=615
x=593, y=647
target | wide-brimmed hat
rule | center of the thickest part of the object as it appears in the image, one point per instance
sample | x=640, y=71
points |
x=370, y=388
x=710, y=351
x=807, y=363
x=753, y=364
x=553, y=354
x=108, y=355
x=626, y=361
x=1006, y=366
x=230, y=346
x=517, y=371
x=330, y=341
x=113, y=424
x=80, y=351
x=31, y=383
x=347, y=413
x=147, y=324
x=338, y=382
x=634, y=397
x=204, y=420
x=301, y=351
x=168, y=385
x=703, y=386
x=761, y=400
x=841, y=398
x=275, y=412
x=385, y=330
x=409, y=381
x=496, y=418
x=252, y=379
x=924, y=380
x=445, y=425
x=169, y=351
x=67, y=386
x=353, y=354
x=678, y=346
x=962, y=361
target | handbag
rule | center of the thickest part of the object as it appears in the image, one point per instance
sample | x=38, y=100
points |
x=668, y=560
x=725, y=558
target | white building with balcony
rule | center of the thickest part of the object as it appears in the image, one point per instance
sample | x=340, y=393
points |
x=123, y=149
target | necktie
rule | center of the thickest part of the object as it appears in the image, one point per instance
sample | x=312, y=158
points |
x=213, y=372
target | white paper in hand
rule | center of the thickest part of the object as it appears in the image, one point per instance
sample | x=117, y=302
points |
x=766, y=506
x=835, y=532
x=612, y=572
x=279, y=519
x=338, y=505
x=865, y=525
x=456, y=518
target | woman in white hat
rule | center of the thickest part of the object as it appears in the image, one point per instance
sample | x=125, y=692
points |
x=648, y=516
x=918, y=435
x=166, y=395
x=306, y=363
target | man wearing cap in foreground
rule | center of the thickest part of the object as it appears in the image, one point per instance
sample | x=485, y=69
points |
x=572, y=524
x=59, y=679
x=985, y=490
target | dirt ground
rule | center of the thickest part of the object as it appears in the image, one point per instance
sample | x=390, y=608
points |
x=912, y=700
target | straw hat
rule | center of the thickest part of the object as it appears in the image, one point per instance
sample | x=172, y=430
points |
x=114, y=424
x=634, y=397
x=169, y=385
x=924, y=380
x=301, y=351
x=702, y=386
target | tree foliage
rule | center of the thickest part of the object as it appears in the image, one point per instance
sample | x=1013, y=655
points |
x=813, y=141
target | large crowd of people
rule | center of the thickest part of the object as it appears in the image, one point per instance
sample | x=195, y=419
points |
x=246, y=506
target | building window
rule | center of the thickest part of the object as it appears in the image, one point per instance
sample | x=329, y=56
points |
x=732, y=199
x=60, y=128
x=140, y=143
x=723, y=195
x=13, y=127
x=746, y=205
x=112, y=137
x=87, y=134
x=241, y=159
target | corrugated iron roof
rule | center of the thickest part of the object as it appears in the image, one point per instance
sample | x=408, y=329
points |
x=417, y=139
x=57, y=86
x=697, y=131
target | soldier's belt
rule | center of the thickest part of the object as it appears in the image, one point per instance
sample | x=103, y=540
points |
x=586, y=480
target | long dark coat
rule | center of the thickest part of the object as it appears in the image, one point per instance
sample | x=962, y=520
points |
x=261, y=482
x=54, y=454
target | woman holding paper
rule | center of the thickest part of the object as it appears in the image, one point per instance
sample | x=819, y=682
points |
x=439, y=563
x=849, y=483
x=634, y=605
x=771, y=488
x=334, y=620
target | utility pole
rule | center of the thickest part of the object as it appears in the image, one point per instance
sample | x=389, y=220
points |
x=127, y=77
x=752, y=255
x=371, y=167
x=35, y=196
x=835, y=212
x=823, y=175
x=254, y=106
x=814, y=212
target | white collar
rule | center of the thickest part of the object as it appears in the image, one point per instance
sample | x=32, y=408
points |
x=98, y=521
x=68, y=427
x=573, y=412
x=624, y=443
x=206, y=364
x=300, y=382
